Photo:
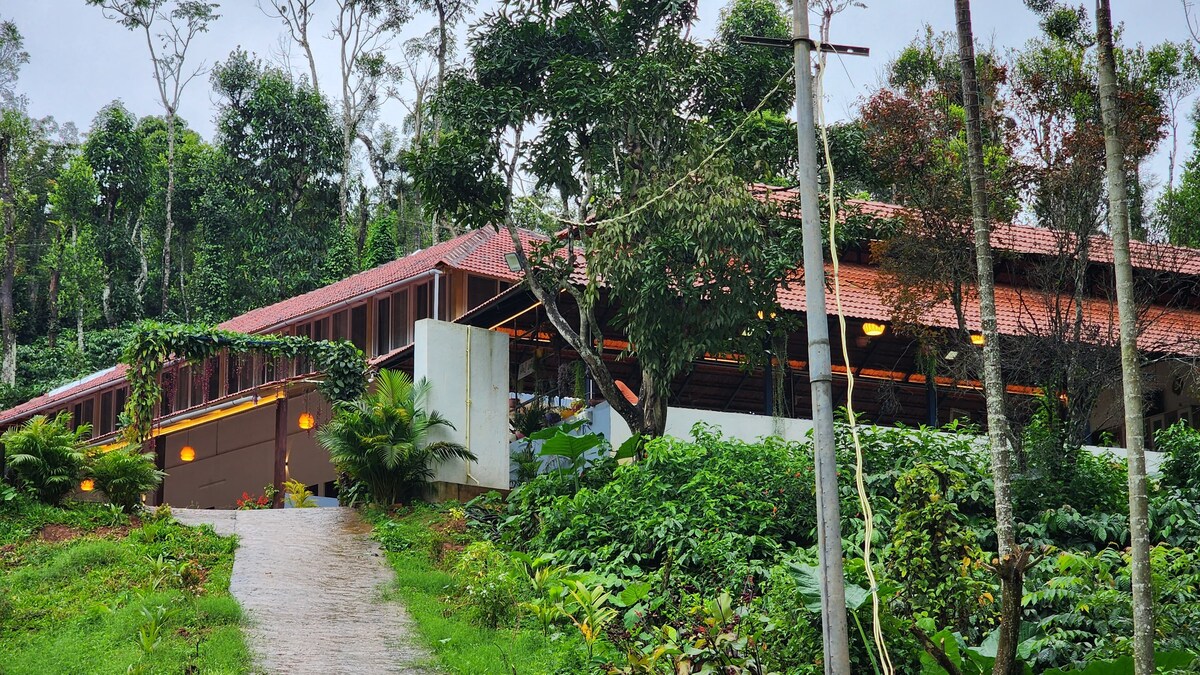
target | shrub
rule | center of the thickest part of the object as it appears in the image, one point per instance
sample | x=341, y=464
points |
x=712, y=507
x=489, y=584
x=380, y=439
x=46, y=455
x=1057, y=471
x=124, y=475
x=299, y=494
x=1181, y=467
x=933, y=551
x=1083, y=609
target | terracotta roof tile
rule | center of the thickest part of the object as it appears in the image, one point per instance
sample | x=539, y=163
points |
x=1027, y=239
x=478, y=251
x=1019, y=312
x=90, y=383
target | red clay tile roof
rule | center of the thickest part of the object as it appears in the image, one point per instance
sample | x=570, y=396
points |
x=1019, y=312
x=1027, y=239
x=89, y=383
x=478, y=251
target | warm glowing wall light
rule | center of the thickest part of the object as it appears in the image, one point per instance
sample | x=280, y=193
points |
x=87, y=485
x=873, y=329
x=307, y=421
x=187, y=453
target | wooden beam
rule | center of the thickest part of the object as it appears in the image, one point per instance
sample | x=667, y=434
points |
x=281, y=429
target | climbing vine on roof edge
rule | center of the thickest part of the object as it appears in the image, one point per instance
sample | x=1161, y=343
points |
x=154, y=344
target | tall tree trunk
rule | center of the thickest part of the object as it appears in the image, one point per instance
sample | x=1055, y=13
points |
x=363, y=223
x=652, y=397
x=348, y=133
x=52, y=302
x=170, y=219
x=8, y=204
x=1011, y=564
x=1131, y=372
x=138, y=240
x=443, y=38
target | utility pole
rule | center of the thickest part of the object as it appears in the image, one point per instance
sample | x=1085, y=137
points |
x=834, y=630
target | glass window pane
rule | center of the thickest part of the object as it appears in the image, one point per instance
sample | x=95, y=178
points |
x=383, y=326
x=400, y=324
x=358, y=326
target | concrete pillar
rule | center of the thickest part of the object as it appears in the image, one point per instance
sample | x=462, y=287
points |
x=467, y=369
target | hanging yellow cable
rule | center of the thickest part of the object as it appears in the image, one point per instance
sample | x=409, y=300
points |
x=864, y=501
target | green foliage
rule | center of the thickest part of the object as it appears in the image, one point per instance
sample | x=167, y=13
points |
x=459, y=643
x=934, y=554
x=1181, y=467
x=124, y=475
x=1082, y=609
x=488, y=584
x=91, y=604
x=708, y=508
x=40, y=368
x=46, y=456
x=1059, y=471
x=153, y=344
x=381, y=440
x=268, y=241
x=298, y=494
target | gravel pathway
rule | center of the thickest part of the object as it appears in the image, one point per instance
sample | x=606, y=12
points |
x=310, y=581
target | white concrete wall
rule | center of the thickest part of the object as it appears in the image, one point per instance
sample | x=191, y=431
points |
x=748, y=427
x=742, y=426
x=468, y=371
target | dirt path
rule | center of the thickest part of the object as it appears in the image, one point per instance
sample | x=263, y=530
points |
x=310, y=582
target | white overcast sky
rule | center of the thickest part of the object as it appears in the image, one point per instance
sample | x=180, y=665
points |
x=80, y=61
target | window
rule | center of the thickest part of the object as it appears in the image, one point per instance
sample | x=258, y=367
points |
x=445, y=308
x=240, y=373
x=89, y=412
x=183, y=389
x=383, y=326
x=341, y=325
x=268, y=369
x=480, y=290
x=107, y=419
x=302, y=366
x=76, y=416
x=119, y=407
x=200, y=377
x=358, y=326
x=167, y=405
x=424, y=305
x=400, y=323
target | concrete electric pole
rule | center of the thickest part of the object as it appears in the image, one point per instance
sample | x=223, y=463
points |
x=835, y=631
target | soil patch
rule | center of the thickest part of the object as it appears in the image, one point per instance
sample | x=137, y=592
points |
x=55, y=532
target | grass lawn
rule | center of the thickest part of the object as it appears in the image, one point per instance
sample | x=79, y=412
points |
x=82, y=590
x=415, y=541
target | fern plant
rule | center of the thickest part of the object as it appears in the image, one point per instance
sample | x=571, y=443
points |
x=124, y=475
x=46, y=455
x=381, y=439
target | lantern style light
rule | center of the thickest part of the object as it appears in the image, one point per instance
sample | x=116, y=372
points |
x=187, y=453
x=977, y=339
x=307, y=421
x=873, y=329
x=87, y=485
